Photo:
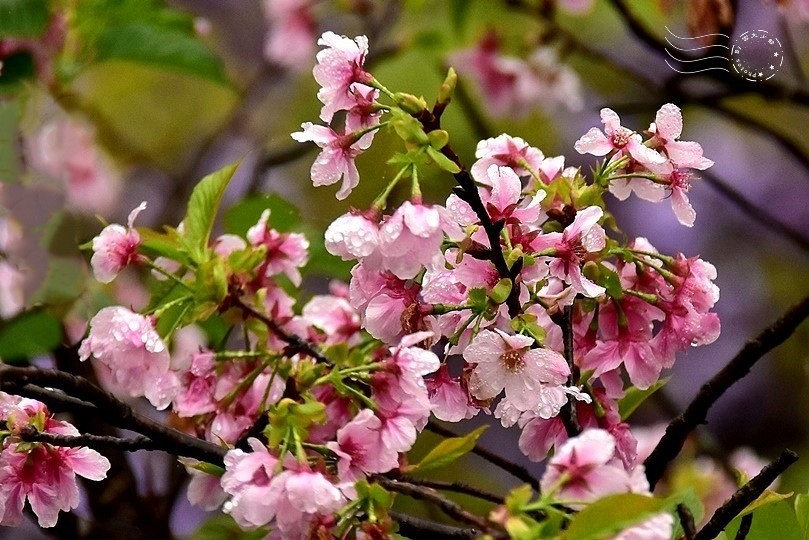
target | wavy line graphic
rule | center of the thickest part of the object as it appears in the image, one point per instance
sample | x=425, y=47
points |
x=695, y=49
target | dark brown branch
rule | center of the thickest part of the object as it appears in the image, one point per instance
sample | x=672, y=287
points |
x=744, y=526
x=455, y=487
x=296, y=343
x=686, y=521
x=697, y=411
x=517, y=471
x=450, y=508
x=568, y=412
x=19, y=379
x=746, y=495
x=98, y=442
x=413, y=527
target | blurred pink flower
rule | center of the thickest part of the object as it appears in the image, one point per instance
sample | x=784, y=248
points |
x=339, y=66
x=291, y=35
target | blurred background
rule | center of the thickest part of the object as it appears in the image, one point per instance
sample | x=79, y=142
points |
x=106, y=103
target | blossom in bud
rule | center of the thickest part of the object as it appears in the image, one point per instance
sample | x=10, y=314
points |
x=339, y=66
x=115, y=248
x=506, y=151
x=128, y=345
x=336, y=160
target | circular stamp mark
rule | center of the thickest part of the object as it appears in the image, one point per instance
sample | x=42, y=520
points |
x=756, y=55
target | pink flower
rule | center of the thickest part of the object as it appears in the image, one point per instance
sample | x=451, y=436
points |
x=44, y=474
x=115, y=248
x=129, y=346
x=286, y=252
x=586, y=468
x=678, y=182
x=12, y=281
x=386, y=304
x=506, y=151
x=352, y=236
x=338, y=67
x=360, y=450
x=666, y=129
x=507, y=362
x=335, y=317
x=449, y=399
x=658, y=527
x=411, y=238
x=291, y=37
x=503, y=200
x=247, y=479
x=618, y=138
x=570, y=248
x=336, y=160
x=66, y=150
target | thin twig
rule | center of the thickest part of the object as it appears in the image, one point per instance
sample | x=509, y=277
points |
x=296, y=343
x=20, y=379
x=455, y=487
x=568, y=411
x=744, y=526
x=450, y=508
x=746, y=495
x=686, y=521
x=696, y=411
x=413, y=527
x=517, y=471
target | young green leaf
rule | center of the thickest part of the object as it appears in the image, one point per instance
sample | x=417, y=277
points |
x=449, y=450
x=202, y=209
x=612, y=514
x=634, y=397
x=29, y=334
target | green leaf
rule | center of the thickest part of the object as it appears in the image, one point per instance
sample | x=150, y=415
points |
x=284, y=216
x=612, y=514
x=202, y=209
x=442, y=161
x=634, y=397
x=29, y=334
x=449, y=450
x=802, y=514
x=162, y=46
x=23, y=18
x=774, y=521
x=223, y=527
x=689, y=498
x=156, y=244
x=769, y=496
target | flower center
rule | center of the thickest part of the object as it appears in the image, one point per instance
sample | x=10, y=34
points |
x=513, y=360
x=621, y=137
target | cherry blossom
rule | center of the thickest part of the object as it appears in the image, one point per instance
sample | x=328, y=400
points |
x=291, y=36
x=248, y=481
x=618, y=138
x=338, y=67
x=448, y=397
x=506, y=151
x=508, y=362
x=570, y=248
x=658, y=527
x=286, y=252
x=666, y=130
x=45, y=475
x=115, y=248
x=336, y=160
x=128, y=345
x=352, y=237
x=335, y=317
x=360, y=450
x=586, y=468
x=411, y=238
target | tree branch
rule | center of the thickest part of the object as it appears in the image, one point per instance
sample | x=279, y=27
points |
x=20, y=380
x=517, y=471
x=413, y=527
x=697, y=411
x=455, y=487
x=746, y=495
x=98, y=442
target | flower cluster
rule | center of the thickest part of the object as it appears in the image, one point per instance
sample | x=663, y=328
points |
x=43, y=474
